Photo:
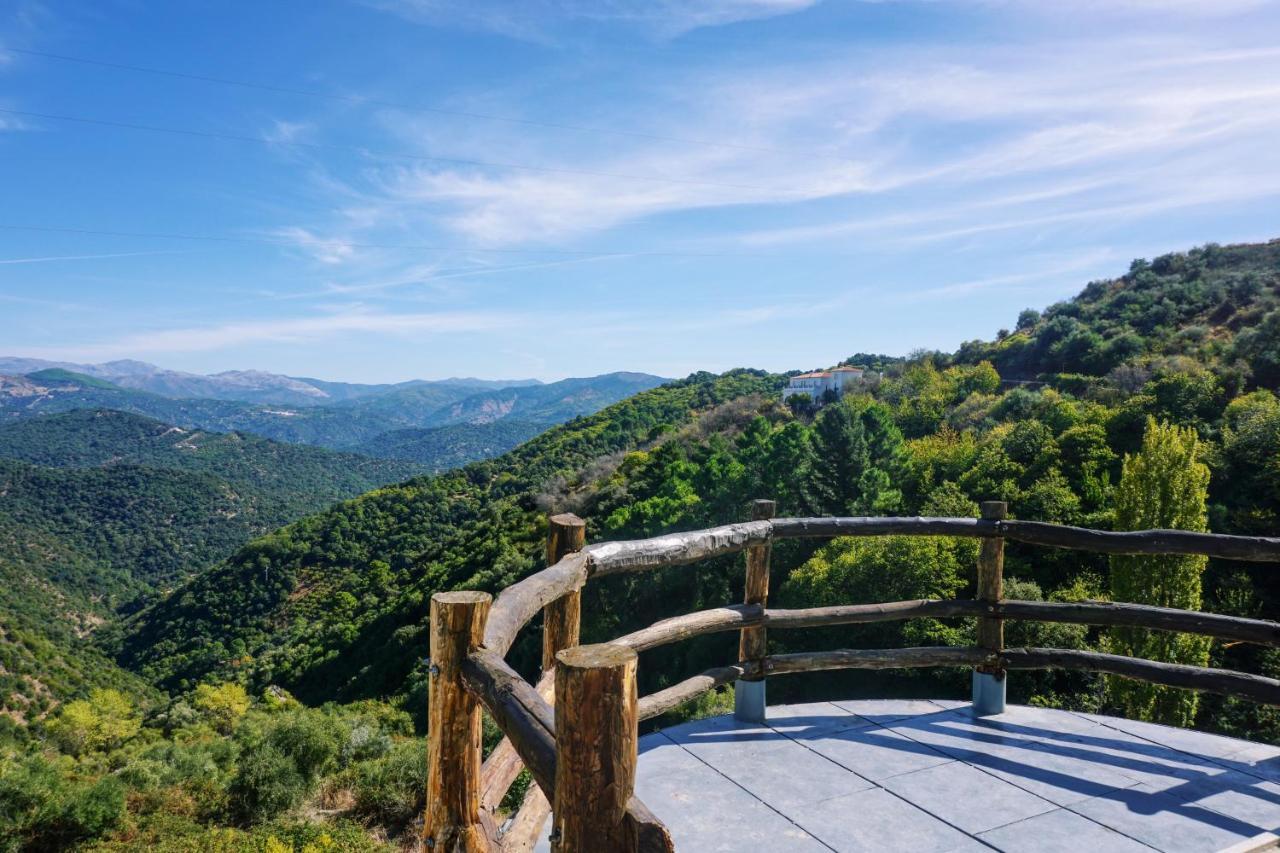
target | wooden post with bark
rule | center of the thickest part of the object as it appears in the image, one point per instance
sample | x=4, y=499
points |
x=989, y=679
x=562, y=618
x=561, y=624
x=597, y=737
x=749, y=692
x=452, y=822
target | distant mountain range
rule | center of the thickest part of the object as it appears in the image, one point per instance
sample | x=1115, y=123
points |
x=336, y=415
x=246, y=386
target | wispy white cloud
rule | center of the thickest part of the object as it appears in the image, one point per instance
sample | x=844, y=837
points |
x=290, y=330
x=326, y=250
x=539, y=20
x=1080, y=116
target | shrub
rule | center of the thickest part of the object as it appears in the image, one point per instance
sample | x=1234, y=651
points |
x=266, y=783
x=391, y=789
x=224, y=704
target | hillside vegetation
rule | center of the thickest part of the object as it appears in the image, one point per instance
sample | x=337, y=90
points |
x=99, y=508
x=332, y=607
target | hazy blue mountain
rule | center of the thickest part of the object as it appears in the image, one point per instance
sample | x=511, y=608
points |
x=246, y=386
x=348, y=425
x=552, y=403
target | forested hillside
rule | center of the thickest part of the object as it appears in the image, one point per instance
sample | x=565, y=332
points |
x=1216, y=306
x=347, y=587
x=332, y=607
x=98, y=508
x=444, y=447
x=290, y=480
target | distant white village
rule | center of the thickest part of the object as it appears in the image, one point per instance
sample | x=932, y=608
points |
x=817, y=383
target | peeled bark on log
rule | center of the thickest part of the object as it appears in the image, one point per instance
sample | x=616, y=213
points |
x=610, y=558
x=691, y=625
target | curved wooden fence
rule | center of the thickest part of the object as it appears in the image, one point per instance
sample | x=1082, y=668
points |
x=576, y=729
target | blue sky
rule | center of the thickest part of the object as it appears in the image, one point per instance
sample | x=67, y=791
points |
x=426, y=188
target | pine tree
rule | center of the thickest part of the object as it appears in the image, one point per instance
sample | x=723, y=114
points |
x=1161, y=486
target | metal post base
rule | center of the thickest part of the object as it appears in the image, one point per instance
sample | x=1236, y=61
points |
x=988, y=694
x=748, y=701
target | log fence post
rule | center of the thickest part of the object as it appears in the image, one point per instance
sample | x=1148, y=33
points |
x=452, y=821
x=561, y=629
x=597, y=737
x=749, y=692
x=989, y=679
x=562, y=618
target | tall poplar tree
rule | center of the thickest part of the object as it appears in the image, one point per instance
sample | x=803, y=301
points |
x=1162, y=486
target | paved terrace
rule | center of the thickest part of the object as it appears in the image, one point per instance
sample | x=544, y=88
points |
x=927, y=777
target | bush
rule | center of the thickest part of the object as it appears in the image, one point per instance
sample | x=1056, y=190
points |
x=266, y=784
x=310, y=738
x=41, y=810
x=391, y=789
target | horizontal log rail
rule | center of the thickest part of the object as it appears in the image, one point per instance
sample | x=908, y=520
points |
x=1224, y=546
x=522, y=601
x=657, y=704
x=525, y=715
x=1227, y=682
x=1102, y=613
x=1224, y=681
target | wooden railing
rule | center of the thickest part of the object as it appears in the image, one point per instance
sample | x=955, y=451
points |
x=576, y=730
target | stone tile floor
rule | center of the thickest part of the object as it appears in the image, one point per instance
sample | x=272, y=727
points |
x=929, y=777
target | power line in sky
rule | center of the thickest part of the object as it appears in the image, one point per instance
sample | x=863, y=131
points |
x=418, y=108
x=345, y=244
x=355, y=149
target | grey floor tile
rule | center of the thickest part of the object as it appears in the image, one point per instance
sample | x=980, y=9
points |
x=726, y=733
x=1258, y=759
x=1061, y=779
x=788, y=779
x=1060, y=831
x=1041, y=722
x=874, y=753
x=967, y=798
x=876, y=820
x=890, y=710
x=1147, y=763
x=812, y=717
x=1234, y=794
x=706, y=811
x=1164, y=822
x=1198, y=743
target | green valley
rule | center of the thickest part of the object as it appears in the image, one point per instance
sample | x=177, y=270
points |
x=293, y=665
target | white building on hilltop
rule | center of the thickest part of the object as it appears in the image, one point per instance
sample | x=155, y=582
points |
x=819, y=382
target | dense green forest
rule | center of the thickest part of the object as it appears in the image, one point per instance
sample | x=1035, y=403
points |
x=100, y=509
x=1164, y=375
x=444, y=447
